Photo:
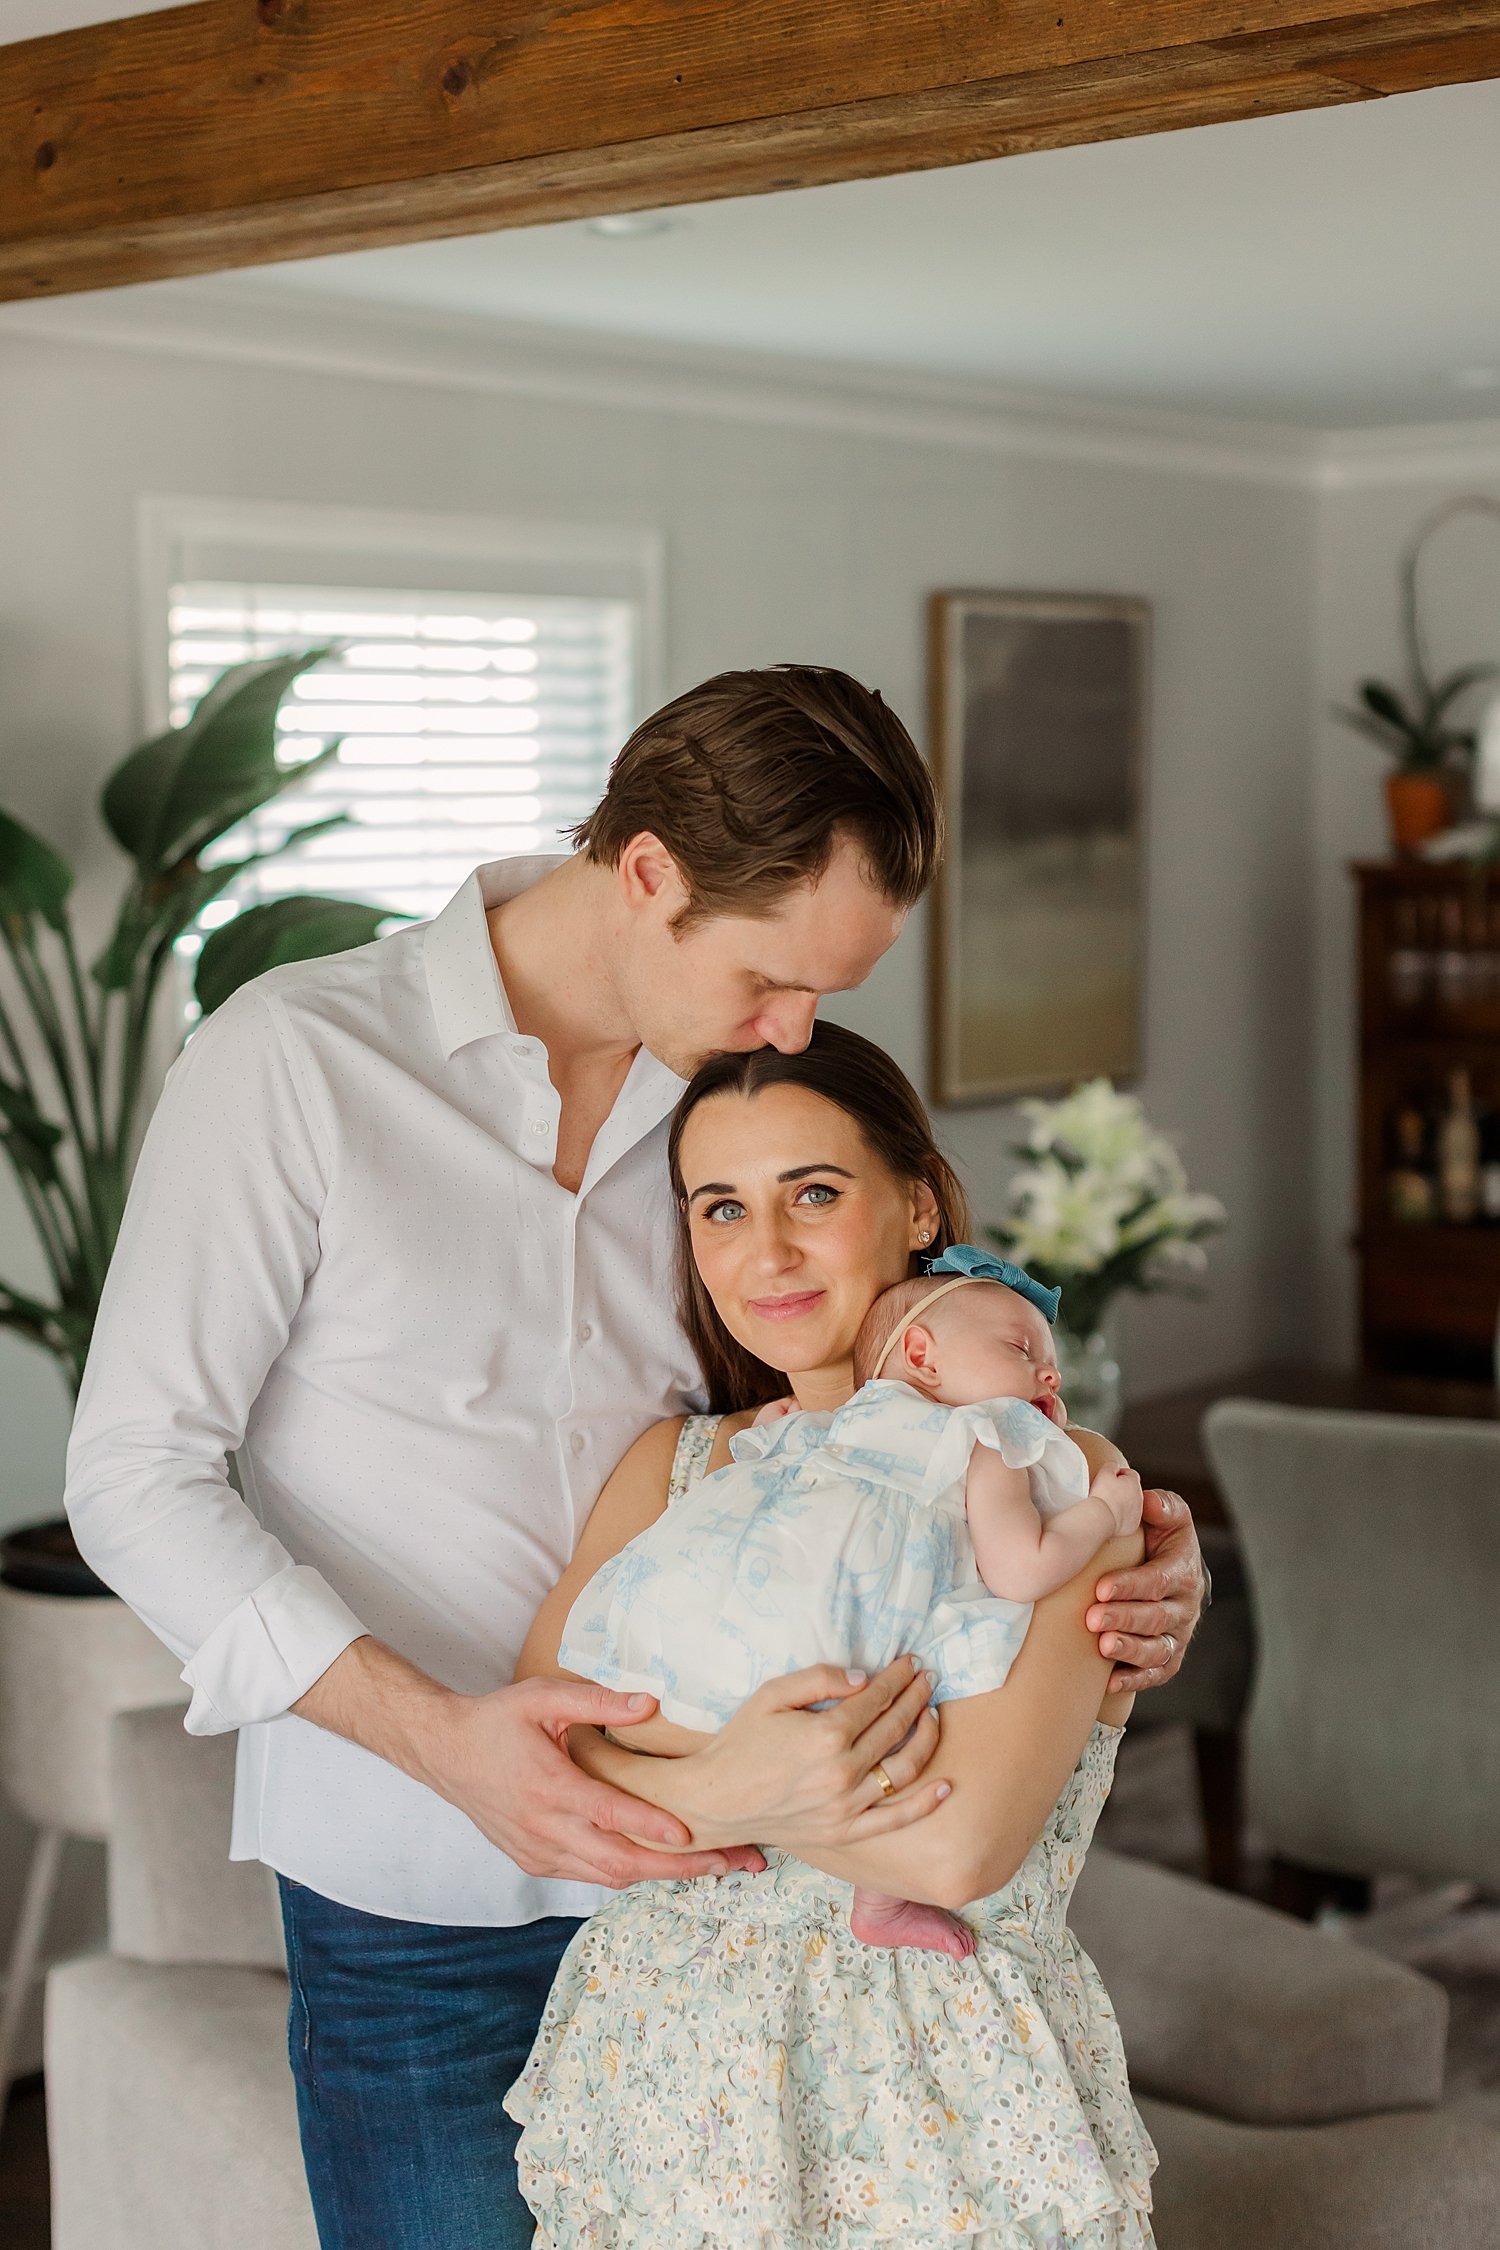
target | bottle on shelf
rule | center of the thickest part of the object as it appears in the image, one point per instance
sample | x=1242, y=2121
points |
x=1409, y=963
x=1458, y=1153
x=1452, y=960
x=1489, y=1165
x=1410, y=1190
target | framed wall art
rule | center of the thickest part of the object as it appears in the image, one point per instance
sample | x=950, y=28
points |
x=1038, y=735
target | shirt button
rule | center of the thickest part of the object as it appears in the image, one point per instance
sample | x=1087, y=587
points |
x=540, y=1125
x=585, y=1331
x=578, y=1441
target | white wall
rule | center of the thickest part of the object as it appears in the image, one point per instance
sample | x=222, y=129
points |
x=1362, y=535
x=782, y=541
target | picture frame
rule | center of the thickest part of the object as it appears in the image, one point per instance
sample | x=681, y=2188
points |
x=1038, y=742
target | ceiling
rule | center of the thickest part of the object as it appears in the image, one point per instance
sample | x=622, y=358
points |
x=31, y=19
x=1333, y=269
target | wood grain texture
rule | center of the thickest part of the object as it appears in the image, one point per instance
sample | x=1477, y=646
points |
x=232, y=132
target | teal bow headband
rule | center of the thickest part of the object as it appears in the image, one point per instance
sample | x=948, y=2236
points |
x=961, y=1259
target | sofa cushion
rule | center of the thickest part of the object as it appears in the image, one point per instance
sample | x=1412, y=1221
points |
x=170, y=2111
x=1232, y=2008
x=174, y=1892
x=1413, y=2181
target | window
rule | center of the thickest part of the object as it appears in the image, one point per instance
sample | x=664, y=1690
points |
x=469, y=726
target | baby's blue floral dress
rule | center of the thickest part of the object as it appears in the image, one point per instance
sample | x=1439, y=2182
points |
x=838, y=1539
x=721, y=2065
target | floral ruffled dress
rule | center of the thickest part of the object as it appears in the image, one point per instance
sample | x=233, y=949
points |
x=722, y=2066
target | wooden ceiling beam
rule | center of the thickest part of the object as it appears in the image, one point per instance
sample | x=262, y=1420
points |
x=233, y=132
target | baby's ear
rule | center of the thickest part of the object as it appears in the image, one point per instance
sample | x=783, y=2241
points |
x=919, y=1356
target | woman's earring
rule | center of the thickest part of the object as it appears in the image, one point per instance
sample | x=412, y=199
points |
x=925, y=1236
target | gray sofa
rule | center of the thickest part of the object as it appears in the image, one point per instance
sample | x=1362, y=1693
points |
x=1292, y=2083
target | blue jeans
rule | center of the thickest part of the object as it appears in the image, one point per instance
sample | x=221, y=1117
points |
x=404, y=2038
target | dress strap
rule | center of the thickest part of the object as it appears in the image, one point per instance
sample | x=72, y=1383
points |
x=694, y=1446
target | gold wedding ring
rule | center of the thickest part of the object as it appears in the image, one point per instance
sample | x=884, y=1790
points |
x=887, y=1786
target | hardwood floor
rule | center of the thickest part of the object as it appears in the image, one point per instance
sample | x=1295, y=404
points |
x=23, y=2169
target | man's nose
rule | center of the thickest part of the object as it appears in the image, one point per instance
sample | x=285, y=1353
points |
x=788, y=1026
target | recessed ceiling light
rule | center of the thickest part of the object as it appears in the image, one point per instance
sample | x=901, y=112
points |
x=1474, y=378
x=632, y=222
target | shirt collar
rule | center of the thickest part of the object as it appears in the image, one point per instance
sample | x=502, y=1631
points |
x=469, y=1000
x=463, y=977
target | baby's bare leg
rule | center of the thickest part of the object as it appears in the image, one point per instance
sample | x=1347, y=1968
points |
x=877, y=1919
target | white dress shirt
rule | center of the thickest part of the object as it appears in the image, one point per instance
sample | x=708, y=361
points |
x=346, y=1260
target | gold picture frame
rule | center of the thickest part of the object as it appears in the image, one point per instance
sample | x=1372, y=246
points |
x=1038, y=709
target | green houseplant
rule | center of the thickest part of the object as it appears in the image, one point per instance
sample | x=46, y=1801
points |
x=1428, y=783
x=75, y=1047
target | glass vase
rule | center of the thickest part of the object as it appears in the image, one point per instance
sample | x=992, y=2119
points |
x=1090, y=1380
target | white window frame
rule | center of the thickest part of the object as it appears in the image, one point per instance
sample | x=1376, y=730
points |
x=310, y=545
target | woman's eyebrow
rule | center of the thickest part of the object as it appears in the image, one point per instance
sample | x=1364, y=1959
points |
x=805, y=1171
x=710, y=1187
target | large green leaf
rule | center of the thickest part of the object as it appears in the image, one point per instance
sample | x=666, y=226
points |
x=287, y=929
x=30, y=1139
x=1447, y=691
x=173, y=796
x=34, y=879
x=155, y=914
x=1386, y=705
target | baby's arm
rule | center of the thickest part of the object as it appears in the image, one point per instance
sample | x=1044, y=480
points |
x=1020, y=1556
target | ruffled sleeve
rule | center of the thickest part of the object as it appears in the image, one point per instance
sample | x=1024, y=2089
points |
x=787, y=1440
x=1022, y=1435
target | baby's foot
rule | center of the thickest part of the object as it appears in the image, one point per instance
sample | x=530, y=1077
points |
x=877, y=1920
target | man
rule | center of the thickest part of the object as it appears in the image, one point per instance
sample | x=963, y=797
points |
x=400, y=1240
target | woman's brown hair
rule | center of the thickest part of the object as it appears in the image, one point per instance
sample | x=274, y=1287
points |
x=860, y=1079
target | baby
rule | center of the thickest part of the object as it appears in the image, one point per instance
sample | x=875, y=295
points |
x=926, y=1515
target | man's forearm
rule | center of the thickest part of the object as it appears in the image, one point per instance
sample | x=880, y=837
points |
x=374, y=1697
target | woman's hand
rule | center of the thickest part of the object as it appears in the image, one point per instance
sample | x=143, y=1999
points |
x=1145, y=1617
x=805, y=1780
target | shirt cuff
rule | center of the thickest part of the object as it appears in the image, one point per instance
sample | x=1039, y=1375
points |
x=267, y=1652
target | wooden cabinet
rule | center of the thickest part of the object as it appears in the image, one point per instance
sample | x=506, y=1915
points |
x=1429, y=953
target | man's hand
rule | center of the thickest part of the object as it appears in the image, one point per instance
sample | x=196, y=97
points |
x=505, y=1763
x=1145, y=1617
x=503, y=1760
x=806, y=1779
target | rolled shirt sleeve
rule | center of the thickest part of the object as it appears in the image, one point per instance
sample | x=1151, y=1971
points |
x=219, y=1240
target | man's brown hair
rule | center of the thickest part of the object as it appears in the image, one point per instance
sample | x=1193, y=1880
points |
x=751, y=779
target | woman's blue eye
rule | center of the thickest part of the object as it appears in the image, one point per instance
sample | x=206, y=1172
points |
x=820, y=1188
x=728, y=1209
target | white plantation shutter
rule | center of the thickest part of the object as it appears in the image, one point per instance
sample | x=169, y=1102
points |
x=471, y=725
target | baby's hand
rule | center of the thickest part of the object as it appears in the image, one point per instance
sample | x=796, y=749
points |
x=1120, y=1490
x=774, y=1411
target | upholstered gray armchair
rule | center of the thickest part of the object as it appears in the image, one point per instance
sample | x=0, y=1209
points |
x=1372, y=1544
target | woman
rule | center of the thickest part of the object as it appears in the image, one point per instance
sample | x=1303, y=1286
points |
x=721, y=2063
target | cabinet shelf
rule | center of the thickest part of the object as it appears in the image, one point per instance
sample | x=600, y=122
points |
x=1430, y=1290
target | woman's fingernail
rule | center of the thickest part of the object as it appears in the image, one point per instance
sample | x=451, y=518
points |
x=932, y=1681
x=856, y=1679
x=916, y=1663
x=944, y=1789
x=636, y=1702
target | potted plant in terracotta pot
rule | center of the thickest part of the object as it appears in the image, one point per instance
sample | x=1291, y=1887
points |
x=1425, y=788
x=75, y=1046
x=1428, y=788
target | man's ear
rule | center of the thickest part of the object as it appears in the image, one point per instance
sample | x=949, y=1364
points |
x=647, y=872
x=919, y=1357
